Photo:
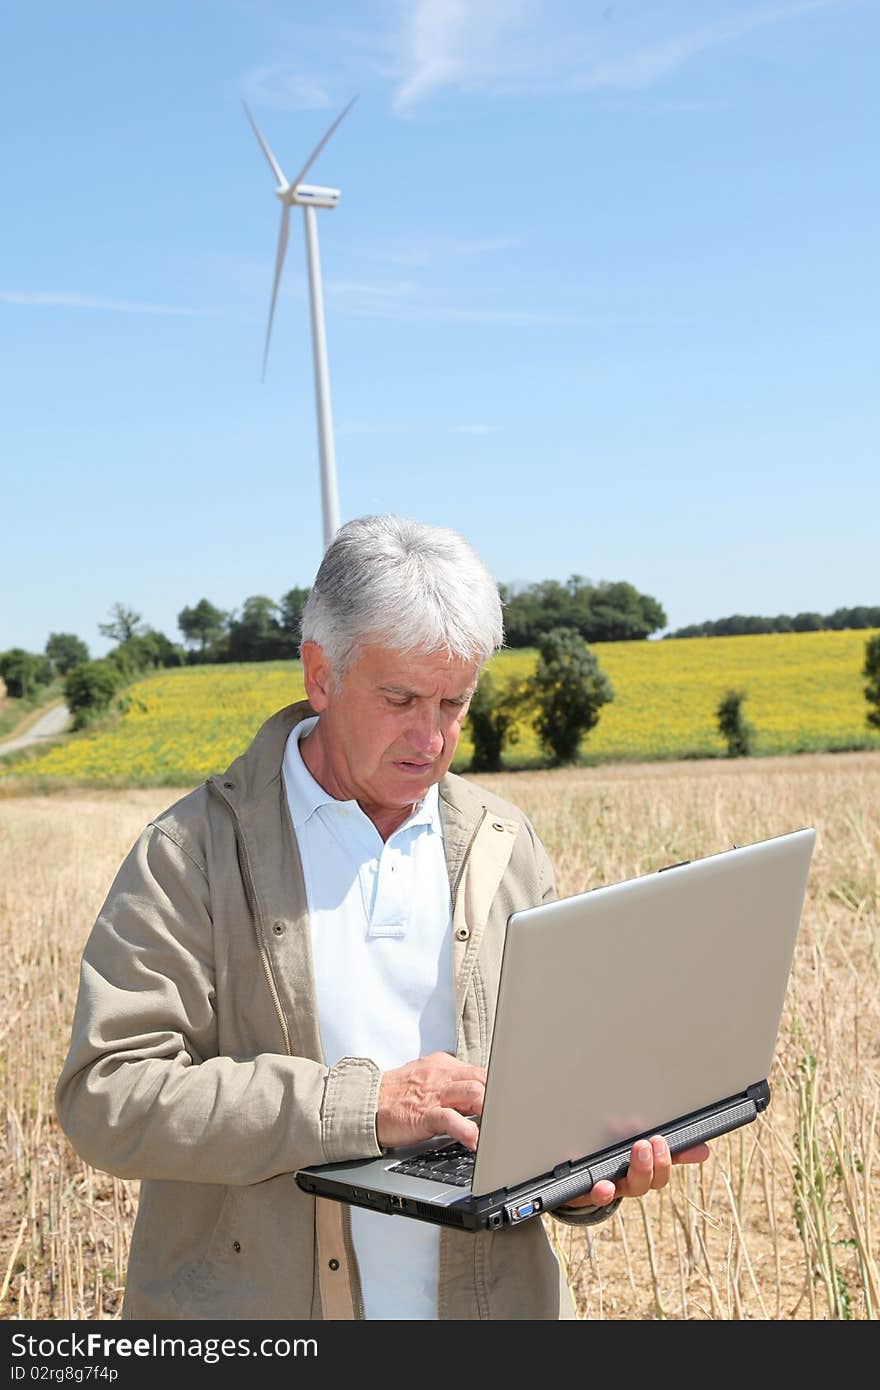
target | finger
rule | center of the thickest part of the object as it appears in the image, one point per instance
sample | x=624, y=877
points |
x=599, y=1195
x=662, y=1162
x=465, y=1071
x=640, y=1172
x=451, y=1122
x=698, y=1153
x=466, y=1096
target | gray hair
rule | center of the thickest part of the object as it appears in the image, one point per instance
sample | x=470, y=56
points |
x=405, y=585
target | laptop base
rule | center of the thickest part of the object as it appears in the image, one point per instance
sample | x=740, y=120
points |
x=452, y=1206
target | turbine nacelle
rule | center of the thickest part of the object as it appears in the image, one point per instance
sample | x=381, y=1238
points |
x=308, y=195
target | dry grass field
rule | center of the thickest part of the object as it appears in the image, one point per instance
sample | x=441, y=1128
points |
x=780, y=1223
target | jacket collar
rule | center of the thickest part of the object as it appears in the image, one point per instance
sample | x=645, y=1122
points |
x=257, y=771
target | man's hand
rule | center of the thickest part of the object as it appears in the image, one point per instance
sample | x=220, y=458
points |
x=432, y=1095
x=650, y=1165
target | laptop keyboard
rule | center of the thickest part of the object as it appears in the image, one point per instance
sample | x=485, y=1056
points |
x=453, y=1164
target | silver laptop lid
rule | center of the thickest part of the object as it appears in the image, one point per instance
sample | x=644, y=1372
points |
x=623, y=1008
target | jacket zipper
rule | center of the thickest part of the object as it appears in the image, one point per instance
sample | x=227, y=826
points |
x=464, y=858
x=459, y=1023
x=258, y=921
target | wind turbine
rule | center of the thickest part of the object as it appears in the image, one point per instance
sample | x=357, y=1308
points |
x=309, y=197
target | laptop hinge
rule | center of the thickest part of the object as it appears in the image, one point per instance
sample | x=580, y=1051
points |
x=562, y=1170
x=760, y=1094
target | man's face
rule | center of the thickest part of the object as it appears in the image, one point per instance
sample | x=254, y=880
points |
x=388, y=728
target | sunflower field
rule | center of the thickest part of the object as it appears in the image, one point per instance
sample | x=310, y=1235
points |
x=804, y=692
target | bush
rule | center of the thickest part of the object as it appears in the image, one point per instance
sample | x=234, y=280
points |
x=23, y=672
x=732, y=725
x=147, y=651
x=89, y=689
x=492, y=720
x=569, y=689
x=871, y=670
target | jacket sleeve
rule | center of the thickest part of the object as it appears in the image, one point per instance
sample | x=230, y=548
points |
x=144, y=1091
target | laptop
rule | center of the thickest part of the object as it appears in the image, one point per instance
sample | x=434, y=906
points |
x=649, y=1006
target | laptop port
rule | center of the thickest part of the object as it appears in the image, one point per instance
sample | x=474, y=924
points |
x=521, y=1211
x=399, y=1202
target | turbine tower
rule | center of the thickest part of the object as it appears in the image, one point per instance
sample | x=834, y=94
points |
x=308, y=197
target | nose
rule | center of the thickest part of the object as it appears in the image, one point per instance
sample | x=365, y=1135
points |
x=426, y=732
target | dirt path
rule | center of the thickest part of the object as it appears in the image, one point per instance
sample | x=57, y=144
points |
x=49, y=725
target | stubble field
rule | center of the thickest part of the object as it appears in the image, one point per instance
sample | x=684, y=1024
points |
x=780, y=1223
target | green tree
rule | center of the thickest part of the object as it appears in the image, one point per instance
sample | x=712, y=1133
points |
x=290, y=611
x=147, y=651
x=732, y=724
x=871, y=670
x=599, y=612
x=89, y=689
x=256, y=635
x=65, y=649
x=492, y=721
x=534, y=610
x=808, y=622
x=619, y=613
x=124, y=623
x=23, y=672
x=203, y=624
x=569, y=689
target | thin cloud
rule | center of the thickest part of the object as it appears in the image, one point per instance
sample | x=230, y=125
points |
x=362, y=301
x=663, y=108
x=367, y=296
x=527, y=318
x=513, y=46
x=405, y=301
x=429, y=251
x=446, y=43
x=365, y=427
x=280, y=86
x=654, y=61
x=47, y=299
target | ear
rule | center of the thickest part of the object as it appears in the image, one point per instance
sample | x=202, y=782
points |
x=316, y=675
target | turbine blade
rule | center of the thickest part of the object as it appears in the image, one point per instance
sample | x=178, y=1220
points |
x=319, y=147
x=270, y=158
x=279, y=262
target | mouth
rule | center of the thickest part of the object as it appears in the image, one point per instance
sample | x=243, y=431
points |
x=411, y=767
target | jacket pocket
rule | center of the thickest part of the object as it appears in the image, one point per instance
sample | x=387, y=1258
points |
x=195, y=1290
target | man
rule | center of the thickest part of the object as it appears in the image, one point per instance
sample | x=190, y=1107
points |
x=297, y=963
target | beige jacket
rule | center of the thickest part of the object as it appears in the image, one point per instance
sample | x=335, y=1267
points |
x=195, y=1062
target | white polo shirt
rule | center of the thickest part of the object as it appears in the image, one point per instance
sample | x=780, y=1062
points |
x=380, y=919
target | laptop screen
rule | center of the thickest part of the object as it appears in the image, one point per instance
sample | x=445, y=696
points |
x=624, y=1008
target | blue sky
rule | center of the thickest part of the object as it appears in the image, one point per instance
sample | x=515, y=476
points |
x=601, y=293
